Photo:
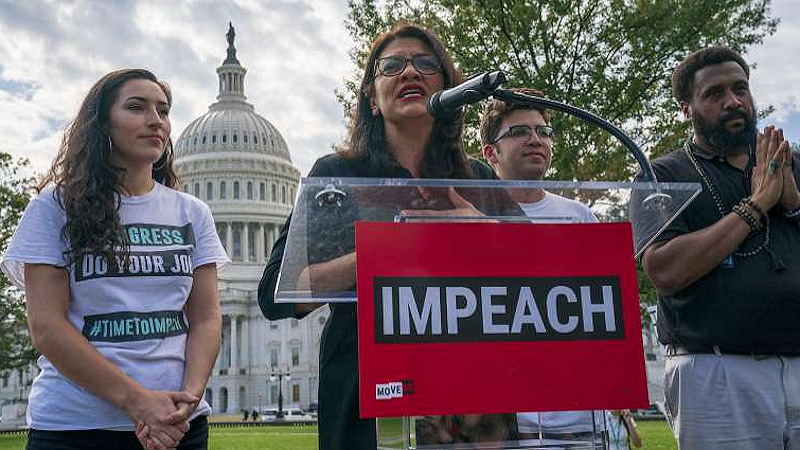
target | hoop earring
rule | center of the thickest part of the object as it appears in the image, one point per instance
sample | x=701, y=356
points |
x=110, y=146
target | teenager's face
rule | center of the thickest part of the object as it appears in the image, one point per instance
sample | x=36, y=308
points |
x=139, y=124
x=521, y=157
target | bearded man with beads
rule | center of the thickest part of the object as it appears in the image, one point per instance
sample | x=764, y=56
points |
x=727, y=269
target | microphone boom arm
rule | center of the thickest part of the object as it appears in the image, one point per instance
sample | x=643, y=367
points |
x=529, y=100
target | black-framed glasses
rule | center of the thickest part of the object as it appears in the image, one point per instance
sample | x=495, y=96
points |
x=526, y=131
x=390, y=66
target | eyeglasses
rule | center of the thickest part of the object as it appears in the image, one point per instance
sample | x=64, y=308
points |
x=526, y=131
x=390, y=66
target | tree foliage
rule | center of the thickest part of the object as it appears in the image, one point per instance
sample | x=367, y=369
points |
x=16, y=350
x=611, y=57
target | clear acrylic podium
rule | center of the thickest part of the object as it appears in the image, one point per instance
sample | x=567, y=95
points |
x=322, y=229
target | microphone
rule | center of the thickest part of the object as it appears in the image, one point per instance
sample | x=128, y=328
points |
x=447, y=102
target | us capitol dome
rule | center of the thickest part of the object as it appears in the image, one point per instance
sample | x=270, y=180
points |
x=239, y=164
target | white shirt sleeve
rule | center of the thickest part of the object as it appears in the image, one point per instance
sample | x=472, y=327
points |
x=208, y=248
x=37, y=239
x=588, y=214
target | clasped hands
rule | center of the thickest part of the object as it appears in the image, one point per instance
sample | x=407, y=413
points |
x=161, y=418
x=773, y=181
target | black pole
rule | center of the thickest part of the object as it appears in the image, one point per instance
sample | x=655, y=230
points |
x=280, y=397
x=529, y=100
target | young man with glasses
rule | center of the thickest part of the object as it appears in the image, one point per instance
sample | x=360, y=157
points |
x=518, y=143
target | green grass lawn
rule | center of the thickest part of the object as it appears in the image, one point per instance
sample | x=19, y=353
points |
x=263, y=438
x=655, y=434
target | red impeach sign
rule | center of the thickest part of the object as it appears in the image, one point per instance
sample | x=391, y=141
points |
x=459, y=318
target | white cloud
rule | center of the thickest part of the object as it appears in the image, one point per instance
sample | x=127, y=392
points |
x=295, y=52
x=51, y=51
x=776, y=78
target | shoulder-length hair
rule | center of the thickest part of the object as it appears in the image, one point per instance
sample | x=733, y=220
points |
x=444, y=153
x=87, y=184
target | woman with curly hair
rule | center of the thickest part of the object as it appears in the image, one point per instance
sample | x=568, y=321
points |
x=120, y=277
x=391, y=136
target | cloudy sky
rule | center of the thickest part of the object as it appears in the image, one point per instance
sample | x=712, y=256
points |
x=51, y=51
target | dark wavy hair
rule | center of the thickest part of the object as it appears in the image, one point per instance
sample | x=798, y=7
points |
x=87, y=184
x=683, y=76
x=444, y=154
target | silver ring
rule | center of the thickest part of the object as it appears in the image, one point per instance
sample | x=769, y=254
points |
x=772, y=165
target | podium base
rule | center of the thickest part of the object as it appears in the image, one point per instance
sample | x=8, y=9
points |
x=481, y=432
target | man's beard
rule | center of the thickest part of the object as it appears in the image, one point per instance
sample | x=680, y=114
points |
x=726, y=142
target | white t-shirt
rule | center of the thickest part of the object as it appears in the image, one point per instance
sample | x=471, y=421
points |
x=133, y=315
x=557, y=209
x=560, y=422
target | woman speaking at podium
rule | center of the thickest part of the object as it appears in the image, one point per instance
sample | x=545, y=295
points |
x=391, y=136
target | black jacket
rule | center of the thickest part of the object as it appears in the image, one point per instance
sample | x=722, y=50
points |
x=339, y=424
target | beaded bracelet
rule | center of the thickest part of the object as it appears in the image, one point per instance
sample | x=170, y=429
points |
x=748, y=218
x=758, y=222
x=749, y=202
x=793, y=214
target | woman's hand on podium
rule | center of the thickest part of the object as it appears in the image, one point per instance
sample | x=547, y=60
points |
x=461, y=208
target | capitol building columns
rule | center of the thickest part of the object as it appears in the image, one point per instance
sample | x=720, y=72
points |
x=233, y=323
x=245, y=338
x=234, y=349
x=246, y=242
x=254, y=239
x=260, y=244
x=229, y=239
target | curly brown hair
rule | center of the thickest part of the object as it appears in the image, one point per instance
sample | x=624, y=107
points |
x=87, y=184
x=444, y=154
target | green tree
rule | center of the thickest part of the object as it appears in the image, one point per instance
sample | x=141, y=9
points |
x=16, y=350
x=611, y=57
